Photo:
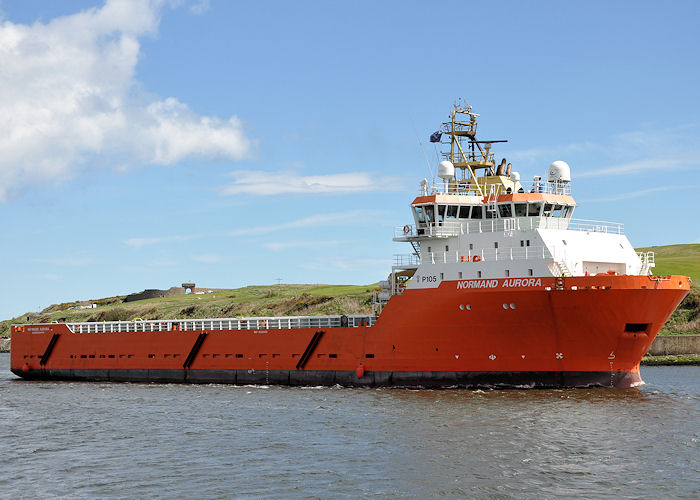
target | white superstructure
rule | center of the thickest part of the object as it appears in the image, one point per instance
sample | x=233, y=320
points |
x=469, y=228
x=519, y=235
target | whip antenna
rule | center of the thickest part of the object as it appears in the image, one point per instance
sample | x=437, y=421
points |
x=422, y=149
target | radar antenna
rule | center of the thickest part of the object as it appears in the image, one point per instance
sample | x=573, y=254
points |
x=466, y=152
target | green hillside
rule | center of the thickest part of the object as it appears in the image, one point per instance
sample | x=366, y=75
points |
x=677, y=259
x=271, y=300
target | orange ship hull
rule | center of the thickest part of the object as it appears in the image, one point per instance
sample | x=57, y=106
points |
x=525, y=332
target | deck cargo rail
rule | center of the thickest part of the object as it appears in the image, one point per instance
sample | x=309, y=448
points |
x=257, y=323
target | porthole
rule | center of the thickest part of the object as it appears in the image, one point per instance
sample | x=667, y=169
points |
x=512, y=306
x=469, y=307
x=461, y=307
x=505, y=306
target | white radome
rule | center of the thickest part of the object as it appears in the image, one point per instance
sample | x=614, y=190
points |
x=515, y=176
x=559, y=171
x=446, y=170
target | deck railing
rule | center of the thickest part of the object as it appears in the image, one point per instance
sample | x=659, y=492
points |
x=462, y=187
x=263, y=323
x=406, y=260
x=456, y=228
x=489, y=255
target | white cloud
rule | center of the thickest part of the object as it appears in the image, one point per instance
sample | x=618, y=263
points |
x=541, y=155
x=634, y=167
x=71, y=261
x=275, y=183
x=69, y=96
x=207, y=258
x=200, y=7
x=641, y=192
x=632, y=152
x=282, y=245
x=164, y=262
x=142, y=242
x=348, y=264
x=340, y=218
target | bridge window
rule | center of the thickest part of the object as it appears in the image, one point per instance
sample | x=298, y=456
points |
x=420, y=215
x=557, y=211
x=547, y=212
x=521, y=209
x=476, y=212
x=429, y=213
x=452, y=212
x=441, y=213
x=464, y=212
x=505, y=210
x=534, y=209
x=569, y=212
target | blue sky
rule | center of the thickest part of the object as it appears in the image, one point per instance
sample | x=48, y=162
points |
x=233, y=143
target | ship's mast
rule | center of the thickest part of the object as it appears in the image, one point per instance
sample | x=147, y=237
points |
x=466, y=152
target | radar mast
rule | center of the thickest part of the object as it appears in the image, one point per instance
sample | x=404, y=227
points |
x=467, y=153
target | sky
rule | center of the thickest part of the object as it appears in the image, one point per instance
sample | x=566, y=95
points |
x=148, y=143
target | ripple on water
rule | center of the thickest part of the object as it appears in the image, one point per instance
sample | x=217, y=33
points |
x=211, y=441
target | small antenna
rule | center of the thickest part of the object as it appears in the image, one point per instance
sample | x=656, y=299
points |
x=422, y=149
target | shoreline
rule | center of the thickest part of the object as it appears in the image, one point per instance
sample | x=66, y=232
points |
x=671, y=360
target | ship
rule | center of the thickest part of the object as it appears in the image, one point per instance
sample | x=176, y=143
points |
x=501, y=288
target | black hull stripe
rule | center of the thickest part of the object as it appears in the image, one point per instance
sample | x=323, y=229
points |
x=432, y=379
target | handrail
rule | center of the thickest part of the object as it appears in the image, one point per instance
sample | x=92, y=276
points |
x=488, y=255
x=463, y=187
x=261, y=323
x=648, y=262
x=467, y=226
x=410, y=259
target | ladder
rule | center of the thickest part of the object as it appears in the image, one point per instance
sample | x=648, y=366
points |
x=563, y=268
x=492, y=197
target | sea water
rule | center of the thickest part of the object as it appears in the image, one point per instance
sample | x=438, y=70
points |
x=87, y=440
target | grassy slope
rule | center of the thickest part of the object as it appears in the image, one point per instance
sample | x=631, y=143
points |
x=292, y=300
x=677, y=259
x=685, y=260
x=273, y=300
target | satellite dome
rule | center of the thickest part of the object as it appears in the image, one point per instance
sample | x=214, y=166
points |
x=515, y=176
x=559, y=171
x=446, y=170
